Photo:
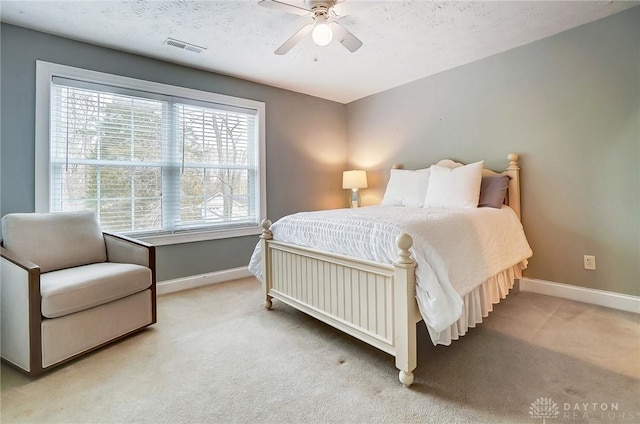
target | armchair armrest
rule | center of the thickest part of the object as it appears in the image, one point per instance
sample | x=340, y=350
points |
x=127, y=250
x=21, y=262
x=20, y=306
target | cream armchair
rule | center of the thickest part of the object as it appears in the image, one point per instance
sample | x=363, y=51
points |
x=67, y=288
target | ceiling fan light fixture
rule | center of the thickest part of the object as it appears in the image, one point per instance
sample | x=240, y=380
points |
x=322, y=33
x=324, y=27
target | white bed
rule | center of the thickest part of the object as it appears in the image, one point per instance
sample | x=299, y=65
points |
x=374, y=272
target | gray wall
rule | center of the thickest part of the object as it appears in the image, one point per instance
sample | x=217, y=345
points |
x=570, y=106
x=306, y=138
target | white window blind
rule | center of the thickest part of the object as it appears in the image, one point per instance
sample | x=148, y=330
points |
x=152, y=164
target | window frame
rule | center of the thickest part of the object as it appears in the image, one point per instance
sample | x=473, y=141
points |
x=46, y=71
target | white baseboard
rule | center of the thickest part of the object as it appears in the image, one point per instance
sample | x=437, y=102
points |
x=623, y=302
x=193, y=281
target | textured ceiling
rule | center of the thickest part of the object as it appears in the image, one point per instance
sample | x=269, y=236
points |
x=404, y=40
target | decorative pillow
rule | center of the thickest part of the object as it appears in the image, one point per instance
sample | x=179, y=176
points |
x=493, y=190
x=406, y=188
x=454, y=188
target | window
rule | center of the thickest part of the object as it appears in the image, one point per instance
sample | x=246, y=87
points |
x=160, y=162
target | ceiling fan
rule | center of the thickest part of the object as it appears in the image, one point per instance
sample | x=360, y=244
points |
x=324, y=27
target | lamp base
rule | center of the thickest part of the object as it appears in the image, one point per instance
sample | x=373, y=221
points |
x=355, y=201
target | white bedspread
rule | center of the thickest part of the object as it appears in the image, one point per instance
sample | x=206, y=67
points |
x=455, y=250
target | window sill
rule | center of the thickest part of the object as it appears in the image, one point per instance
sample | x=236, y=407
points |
x=190, y=237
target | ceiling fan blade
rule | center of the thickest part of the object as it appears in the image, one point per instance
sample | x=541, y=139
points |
x=295, y=38
x=284, y=7
x=350, y=41
x=344, y=8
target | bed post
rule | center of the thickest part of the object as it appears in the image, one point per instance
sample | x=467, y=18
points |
x=404, y=283
x=513, y=171
x=266, y=261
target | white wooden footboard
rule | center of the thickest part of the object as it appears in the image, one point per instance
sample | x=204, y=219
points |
x=368, y=300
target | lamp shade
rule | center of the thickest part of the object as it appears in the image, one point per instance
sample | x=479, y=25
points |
x=354, y=179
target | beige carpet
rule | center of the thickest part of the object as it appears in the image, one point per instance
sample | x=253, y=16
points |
x=217, y=356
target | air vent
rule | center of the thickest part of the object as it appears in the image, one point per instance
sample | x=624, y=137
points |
x=184, y=45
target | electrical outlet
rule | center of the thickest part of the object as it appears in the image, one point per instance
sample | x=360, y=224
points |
x=590, y=262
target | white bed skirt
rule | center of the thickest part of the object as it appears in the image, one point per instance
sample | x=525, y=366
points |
x=478, y=303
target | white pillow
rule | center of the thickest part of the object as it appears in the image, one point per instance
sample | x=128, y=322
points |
x=406, y=188
x=454, y=188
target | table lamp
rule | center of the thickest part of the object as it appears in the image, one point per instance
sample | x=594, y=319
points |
x=354, y=180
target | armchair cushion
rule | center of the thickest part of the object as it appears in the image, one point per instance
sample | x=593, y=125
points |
x=54, y=240
x=75, y=289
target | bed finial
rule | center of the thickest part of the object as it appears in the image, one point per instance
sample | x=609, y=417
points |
x=404, y=243
x=513, y=161
x=266, y=229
